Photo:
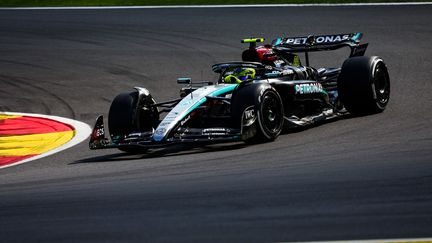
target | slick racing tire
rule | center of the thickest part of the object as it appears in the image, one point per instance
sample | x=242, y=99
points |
x=122, y=118
x=269, y=116
x=121, y=114
x=265, y=108
x=364, y=85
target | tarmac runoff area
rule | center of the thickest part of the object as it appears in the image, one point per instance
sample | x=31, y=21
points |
x=289, y=5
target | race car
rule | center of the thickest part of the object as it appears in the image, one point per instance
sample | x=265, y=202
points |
x=252, y=100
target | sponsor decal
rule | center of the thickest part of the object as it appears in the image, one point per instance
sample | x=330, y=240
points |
x=287, y=72
x=249, y=114
x=324, y=39
x=186, y=102
x=308, y=88
x=215, y=131
x=160, y=131
x=164, y=124
x=100, y=132
x=185, y=120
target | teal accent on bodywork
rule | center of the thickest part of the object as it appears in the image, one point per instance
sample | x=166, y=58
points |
x=215, y=93
x=277, y=41
x=273, y=75
x=186, y=106
x=357, y=36
x=224, y=90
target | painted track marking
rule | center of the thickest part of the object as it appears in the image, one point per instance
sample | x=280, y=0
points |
x=24, y=146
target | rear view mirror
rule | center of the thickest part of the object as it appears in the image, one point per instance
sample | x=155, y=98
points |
x=184, y=80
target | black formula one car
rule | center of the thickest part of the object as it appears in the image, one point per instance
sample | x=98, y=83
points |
x=252, y=100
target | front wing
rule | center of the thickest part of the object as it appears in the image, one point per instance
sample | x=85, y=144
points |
x=144, y=140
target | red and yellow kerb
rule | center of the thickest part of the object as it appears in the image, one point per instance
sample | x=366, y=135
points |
x=22, y=137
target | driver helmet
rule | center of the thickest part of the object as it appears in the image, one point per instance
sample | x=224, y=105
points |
x=239, y=75
x=266, y=55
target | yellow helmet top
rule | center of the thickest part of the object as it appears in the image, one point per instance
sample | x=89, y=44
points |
x=239, y=75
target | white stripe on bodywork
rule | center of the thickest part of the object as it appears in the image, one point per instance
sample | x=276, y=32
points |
x=183, y=108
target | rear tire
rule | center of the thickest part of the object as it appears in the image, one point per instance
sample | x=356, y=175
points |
x=364, y=85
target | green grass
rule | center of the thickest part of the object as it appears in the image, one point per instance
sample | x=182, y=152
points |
x=46, y=3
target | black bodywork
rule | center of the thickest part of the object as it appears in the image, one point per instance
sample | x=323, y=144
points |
x=283, y=93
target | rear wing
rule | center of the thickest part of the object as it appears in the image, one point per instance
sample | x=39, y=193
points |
x=312, y=43
x=321, y=43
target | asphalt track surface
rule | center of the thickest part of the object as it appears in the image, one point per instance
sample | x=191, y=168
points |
x=358, y=178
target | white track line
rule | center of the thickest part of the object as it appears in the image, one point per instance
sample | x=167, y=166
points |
x=82, y=131
x=223, y=6
x=416, y=240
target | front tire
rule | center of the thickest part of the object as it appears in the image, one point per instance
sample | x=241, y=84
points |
x=264, y=108
x=122, y=115
x=124, y=119
x=364, y=85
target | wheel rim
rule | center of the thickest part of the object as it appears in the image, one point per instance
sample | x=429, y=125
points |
x=382, y=84
x=271, y=113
